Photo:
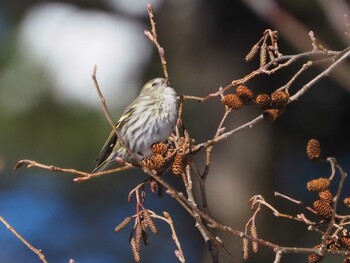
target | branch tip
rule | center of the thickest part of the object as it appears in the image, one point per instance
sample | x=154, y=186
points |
x=94, y=70
x=149, y=8
x=18, y=164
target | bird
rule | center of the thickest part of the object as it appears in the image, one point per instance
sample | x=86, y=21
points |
x=149, y=119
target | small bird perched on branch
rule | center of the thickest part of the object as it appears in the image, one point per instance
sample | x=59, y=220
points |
x=149, y=119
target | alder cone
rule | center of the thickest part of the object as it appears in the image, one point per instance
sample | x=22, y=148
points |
x=346, y=202
x=245, y=93
x=320, y=184
x=279, y=99
x=344, y=242
x=313, y=149
x=154, y=162
x=315, y=258
x=178, y=166
x=272, y=114
x=159, y=148
x=326, y=195
x=323, y=209
x=233, y=101
x=263, y=101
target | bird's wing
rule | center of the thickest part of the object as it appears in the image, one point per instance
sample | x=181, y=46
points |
x=106, y=150
x=110, y=142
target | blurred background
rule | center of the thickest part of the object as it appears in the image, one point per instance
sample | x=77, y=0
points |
x=50, y=112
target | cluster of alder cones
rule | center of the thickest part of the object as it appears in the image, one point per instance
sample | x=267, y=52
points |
x=273, y=105
x=342, y=242
x=160, y=152
x=323, y=205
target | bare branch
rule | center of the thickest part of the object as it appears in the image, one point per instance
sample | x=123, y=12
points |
x=31, y=247
x=83, y=175
x=154, y=38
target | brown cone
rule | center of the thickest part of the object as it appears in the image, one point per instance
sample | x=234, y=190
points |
x=272, y=114
x=245, y=94
x=263, y=101
x=320, y=184
x=233, y=101
x=323, y=209
x=313, y=149
x=326, y=195
x=344, y=242
x=346, y=202
x=279, y=99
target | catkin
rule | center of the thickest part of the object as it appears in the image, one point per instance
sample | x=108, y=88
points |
x=123, y=224
x=136, y=253
x=149, y=221
x=251, y=54
x=245, y=249
x=254, y=234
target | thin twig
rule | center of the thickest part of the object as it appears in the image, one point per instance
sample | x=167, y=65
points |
x=32, y=248
x=293, y=98
x=289, y=60
x=108, y=115
x=301, y=70
x=167, y=218
x=84, y=175
x=154, y=38
x=343, y=175
x=278, y=256
x=296, y=202
x=324, y=73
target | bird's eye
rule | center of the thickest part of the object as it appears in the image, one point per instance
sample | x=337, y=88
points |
x=154, y=84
